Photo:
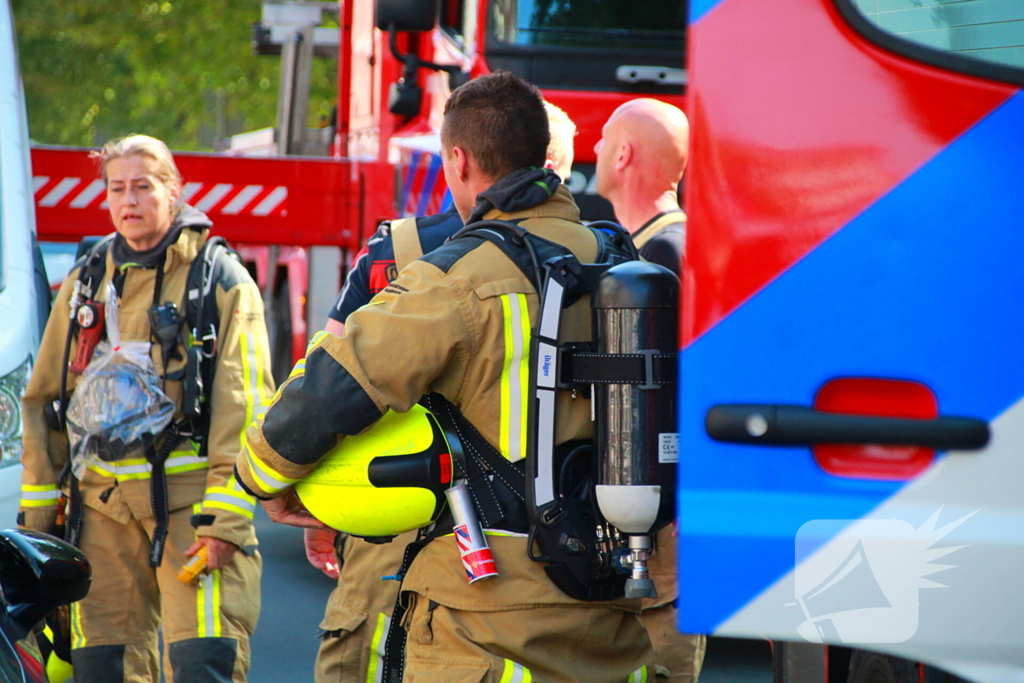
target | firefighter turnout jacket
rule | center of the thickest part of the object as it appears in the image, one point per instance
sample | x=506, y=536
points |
x=242, y=385
x=457, y=322
x=118, y=514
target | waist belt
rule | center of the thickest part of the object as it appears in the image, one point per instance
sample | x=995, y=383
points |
x=498, y=486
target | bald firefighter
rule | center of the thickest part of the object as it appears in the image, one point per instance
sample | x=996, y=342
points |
x=641, y=157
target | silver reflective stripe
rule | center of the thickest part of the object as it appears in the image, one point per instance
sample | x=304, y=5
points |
x=544, y=488
x=208, y=615
x=131, y=469
x=266, y=481
x=552, y=313
x=228, y=499
x=178, y=461
x=53, y=494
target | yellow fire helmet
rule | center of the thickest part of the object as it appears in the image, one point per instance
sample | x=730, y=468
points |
x=388, y=480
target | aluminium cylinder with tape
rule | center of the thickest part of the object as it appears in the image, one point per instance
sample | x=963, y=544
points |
x=636, y=313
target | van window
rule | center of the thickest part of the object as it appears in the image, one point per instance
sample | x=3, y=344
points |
x=981, y=37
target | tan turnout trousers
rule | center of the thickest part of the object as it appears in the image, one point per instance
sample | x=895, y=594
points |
x=209, y=620
x=678, y=656
x=359, y=611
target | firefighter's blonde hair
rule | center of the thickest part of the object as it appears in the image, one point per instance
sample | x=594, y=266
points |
x=563, y=132
x=146, y=146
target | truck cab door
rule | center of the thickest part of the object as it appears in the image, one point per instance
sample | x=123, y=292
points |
x=852, y=380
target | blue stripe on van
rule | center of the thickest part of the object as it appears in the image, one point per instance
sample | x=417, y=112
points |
x=927, y=284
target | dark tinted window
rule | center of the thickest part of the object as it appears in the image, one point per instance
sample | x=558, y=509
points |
x=610, y=24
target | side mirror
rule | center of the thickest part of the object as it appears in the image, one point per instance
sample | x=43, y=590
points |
x=405, y=97
x=405, y=15
x=38, y=573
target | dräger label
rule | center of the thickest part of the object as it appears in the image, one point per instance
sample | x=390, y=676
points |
x=668, y=448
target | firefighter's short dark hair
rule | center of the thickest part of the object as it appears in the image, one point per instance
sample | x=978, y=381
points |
x=500, y=120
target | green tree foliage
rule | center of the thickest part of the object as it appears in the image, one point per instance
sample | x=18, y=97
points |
x=182, y=70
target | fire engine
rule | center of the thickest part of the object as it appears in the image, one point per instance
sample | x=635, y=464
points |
x=397, y=62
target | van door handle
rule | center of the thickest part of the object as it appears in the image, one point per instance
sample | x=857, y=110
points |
x=791, y=425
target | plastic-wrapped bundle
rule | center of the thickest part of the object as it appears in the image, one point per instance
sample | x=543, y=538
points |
x=118, y=405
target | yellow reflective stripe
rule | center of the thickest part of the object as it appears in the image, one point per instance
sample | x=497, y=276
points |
x=266, y=478
x=39, y=495
x=28, y=503
x=208, y=605
x=216, y=606
x=77, y=634
x=185, y=460
x=189, y=448
x=500, y=532
x=315, y=341
x=515, y=673
x=374, y=671
x=252, y=381
x=298, y=370
x=515, y=376
x=638, y=676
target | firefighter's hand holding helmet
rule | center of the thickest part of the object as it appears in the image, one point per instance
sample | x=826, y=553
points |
x=319, y=544
x=288, y=509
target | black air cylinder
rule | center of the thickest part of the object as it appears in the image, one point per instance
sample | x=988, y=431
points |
x=636, y=311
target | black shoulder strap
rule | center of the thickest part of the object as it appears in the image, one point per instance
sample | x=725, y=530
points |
x=93, y=266
x=202, y=317
x=201, y=312
x=533, y=254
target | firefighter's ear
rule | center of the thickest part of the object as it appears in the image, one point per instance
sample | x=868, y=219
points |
x=463, y=162
x=173, y=192
x=624, y=156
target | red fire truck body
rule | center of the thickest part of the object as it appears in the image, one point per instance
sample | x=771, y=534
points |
x=386, y=164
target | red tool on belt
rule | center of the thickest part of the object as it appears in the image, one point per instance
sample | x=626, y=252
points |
x=90, y=330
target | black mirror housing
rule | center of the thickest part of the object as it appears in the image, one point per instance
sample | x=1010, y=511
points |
x=404, y=99
x=40, y=572
x=405, y=15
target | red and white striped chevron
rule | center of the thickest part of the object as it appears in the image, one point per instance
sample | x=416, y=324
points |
x=228, y=199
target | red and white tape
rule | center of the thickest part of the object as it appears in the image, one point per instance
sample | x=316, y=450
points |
x=228, y=199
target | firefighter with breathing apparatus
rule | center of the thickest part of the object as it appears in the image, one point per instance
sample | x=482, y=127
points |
x=473, y=332
x=154, y=360
x=359, y=609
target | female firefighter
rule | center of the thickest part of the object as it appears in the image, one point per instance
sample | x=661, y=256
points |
x=154, y=361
